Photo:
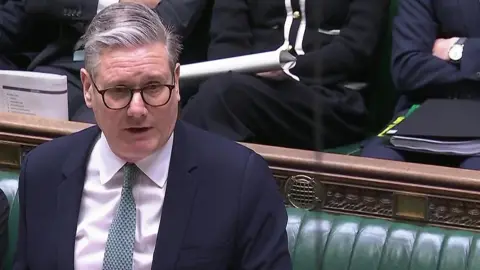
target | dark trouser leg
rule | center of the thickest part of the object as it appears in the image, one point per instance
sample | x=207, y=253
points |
x=376, y=148
x=7, y=64
x=471, y=163
x=187, y=91
x=285, y=113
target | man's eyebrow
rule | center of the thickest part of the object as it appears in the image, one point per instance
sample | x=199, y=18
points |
x=157, y=78
x=163, y=78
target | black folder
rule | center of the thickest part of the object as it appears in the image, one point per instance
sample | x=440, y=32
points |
x=448, y=119
x=443, y=126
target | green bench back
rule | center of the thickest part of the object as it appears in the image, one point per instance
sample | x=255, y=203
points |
x=321, y=241
x=9, y=185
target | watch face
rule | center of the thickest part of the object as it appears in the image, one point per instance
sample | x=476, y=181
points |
x=455, y=52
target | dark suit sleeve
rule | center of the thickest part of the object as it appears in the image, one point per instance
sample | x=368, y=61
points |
x=470, y=63
x=182, y=15
x=262, y=243
x=230, y=31
x=352, y=50
x=414, y=34
x=13, y=25
x=69, y=10
x=20, y=262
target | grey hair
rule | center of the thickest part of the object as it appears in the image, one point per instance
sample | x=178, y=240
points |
x=126, y=25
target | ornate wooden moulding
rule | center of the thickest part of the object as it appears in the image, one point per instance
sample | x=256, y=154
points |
x=432, y=195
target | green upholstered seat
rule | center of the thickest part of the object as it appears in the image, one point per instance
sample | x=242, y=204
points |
x=324, y=241
x=319, y=240
x=9, y=185
x=350, y=149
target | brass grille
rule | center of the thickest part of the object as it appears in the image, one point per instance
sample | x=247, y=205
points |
x=302, y=192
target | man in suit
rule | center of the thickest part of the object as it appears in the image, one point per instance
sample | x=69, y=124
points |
x=435, y=52
x=39, y=42
x=182, y=15
x=142, y=190
x=318, y=97
x=44, y=36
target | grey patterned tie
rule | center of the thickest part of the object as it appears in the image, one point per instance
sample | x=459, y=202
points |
x=121, y=237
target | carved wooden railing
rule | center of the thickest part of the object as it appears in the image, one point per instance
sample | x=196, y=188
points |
x=435, y=195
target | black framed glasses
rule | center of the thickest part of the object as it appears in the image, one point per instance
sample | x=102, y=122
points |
x=118, y=97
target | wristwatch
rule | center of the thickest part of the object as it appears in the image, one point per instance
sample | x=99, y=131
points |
x=455, y=52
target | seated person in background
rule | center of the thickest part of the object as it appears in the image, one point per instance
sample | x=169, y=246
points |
x=334, y=42
x=191, y=20
x=142, y=190
x=435, y=54
x=43, y=35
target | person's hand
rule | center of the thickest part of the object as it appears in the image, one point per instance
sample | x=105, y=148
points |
x=442, y=46
x=149, y=3
x=274, y=75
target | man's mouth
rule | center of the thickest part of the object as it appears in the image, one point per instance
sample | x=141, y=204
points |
x=137, y=130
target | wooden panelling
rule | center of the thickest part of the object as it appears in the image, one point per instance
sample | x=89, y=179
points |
x=318, y=181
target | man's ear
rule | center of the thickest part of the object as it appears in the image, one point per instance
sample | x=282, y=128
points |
x=87, y=87
x=177, y=81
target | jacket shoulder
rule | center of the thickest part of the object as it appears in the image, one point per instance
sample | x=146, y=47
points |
x=218, y=151
x=52, y=153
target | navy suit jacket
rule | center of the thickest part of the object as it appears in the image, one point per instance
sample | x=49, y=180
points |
x=183, y=15
x=21, y=32
x=222, y=208
x=415, y=71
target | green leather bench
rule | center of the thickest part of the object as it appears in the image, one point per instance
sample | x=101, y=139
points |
x=332, y=242
x=9, y=185
x=319, y=240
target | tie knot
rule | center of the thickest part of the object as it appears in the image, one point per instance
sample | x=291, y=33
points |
x=130, y=172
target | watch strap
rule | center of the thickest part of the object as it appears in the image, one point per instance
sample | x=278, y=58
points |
x=461, y=41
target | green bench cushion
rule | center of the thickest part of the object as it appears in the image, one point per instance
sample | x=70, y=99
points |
x=325, y=241
x=9, y=185
x=318, y=240
x=350, y=149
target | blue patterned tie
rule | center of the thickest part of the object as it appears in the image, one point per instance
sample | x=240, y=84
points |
x=121, y=237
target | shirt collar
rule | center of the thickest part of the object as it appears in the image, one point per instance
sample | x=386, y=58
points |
x=155, y=166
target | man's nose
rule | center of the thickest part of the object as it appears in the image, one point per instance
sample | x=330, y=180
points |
x=137, y=106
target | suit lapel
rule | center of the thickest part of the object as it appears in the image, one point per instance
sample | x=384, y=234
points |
x=470, y=10
x=69, y=195
x=179, y=198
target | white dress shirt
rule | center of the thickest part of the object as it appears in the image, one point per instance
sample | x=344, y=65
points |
x=100, y=199
x=105, y=3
